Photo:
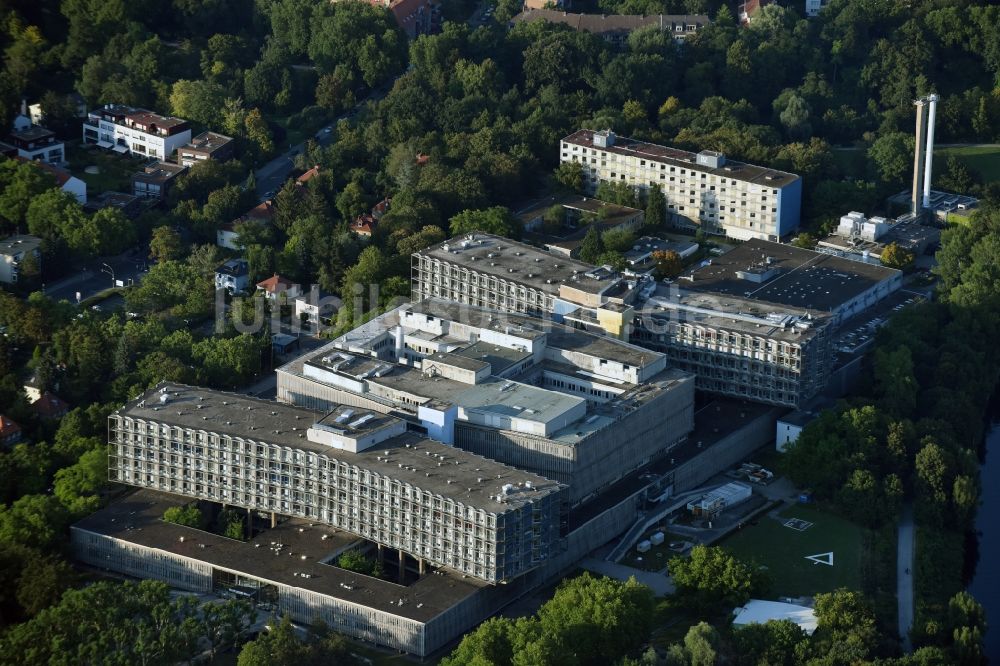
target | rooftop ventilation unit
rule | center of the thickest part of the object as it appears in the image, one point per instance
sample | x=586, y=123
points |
x=344, y=415
x=360, y=422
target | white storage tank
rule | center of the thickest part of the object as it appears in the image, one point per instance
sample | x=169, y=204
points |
x=643, y=547
x=656, y=539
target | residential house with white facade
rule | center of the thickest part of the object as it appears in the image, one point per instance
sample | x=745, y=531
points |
x=38, y=144
x=141, y=132
x=13, y=251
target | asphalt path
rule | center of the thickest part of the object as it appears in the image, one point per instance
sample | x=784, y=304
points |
x=904, y=576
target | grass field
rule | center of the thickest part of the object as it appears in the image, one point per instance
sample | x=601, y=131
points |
x=983, y=161
x=115, y=170
x=784, y=550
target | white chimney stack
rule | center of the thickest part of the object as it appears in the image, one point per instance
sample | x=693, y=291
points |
x=929, y=154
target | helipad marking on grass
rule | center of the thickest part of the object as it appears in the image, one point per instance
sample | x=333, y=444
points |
x=821, y=558
x=797, y=524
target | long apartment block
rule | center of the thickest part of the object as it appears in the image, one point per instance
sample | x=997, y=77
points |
x=139, y=132
x=352, y=469
x=582, y=409
x=703, y=190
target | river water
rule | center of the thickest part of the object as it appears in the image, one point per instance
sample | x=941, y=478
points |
x=985, y=586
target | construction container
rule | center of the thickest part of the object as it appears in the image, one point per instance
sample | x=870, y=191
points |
x=644, y=546
x=656, y=539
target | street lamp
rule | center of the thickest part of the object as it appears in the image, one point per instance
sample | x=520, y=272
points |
x=110, y=271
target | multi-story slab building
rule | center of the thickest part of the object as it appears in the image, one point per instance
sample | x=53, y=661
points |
x=141, y=132
x=494, y=272
x=758, y=321
x=351, y=469
x=571, y=406
x=703, y=190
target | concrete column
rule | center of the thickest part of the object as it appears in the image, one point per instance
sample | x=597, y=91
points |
x=402, y=567
x=274, y=520
x=422, y=564
x=249, y=523
x=918, y=157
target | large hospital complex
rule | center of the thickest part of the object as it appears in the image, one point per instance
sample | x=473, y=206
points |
x=522, y=410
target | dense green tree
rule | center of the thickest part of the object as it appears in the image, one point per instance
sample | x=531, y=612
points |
x=892, y=155
x=165, y=245
x=188, y=515
x=592, y=246
x=134, y=622
x=894, y=256
x=497, y=220
x=656, y=208
x=199, y=101
x=712, y=576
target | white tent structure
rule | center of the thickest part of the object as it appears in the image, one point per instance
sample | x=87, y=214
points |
x=758, y=611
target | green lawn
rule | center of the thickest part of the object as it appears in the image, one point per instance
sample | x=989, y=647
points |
x=115, y=170
x=985, y=162
x=783, y=551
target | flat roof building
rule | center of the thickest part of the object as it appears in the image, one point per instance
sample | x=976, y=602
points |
x=206, y=146
x=13, y=251
x=38, y=143
x=292, y=461
x=575, y=407
x=703, y=190
x=495, y=272
x=759, y=321
x=136, y=131
x=156, y=180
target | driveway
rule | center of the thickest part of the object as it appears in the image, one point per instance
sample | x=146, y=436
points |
x=659, y=583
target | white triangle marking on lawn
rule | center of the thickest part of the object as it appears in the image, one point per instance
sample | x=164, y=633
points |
x=822, y=558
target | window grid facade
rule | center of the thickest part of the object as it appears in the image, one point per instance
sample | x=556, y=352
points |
x=266, y=477
x=695, y=197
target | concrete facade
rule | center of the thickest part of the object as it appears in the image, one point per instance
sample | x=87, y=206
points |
x=568, y=405
x=450, y=516
x=703, y=190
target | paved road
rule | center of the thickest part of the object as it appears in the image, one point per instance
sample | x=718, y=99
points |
x=904, y=576
x=659, y=583
x=97, y=276
x=273, y=175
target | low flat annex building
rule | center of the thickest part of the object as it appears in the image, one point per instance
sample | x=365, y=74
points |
x=703, y=190
x=494, y=272
x=758, y=322
x=351, y=469
x=129, y=537
x=578, y=408
x=206, y=146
